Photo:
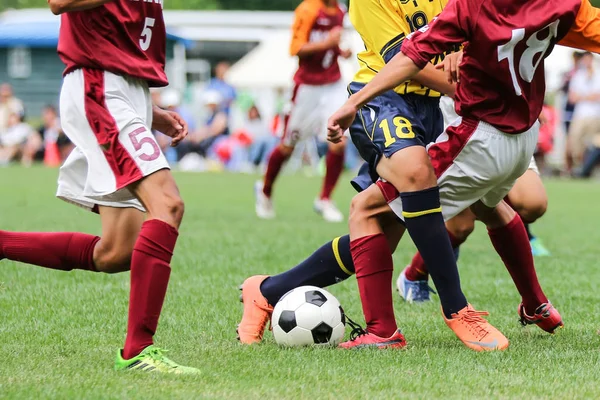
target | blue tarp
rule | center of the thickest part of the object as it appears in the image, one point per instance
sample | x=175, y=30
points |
x=43, y=34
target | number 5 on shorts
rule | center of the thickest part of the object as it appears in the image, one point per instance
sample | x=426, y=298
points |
x=137, y=145
x=403, y=130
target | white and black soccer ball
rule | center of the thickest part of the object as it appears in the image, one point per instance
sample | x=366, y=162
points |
x=308, y=315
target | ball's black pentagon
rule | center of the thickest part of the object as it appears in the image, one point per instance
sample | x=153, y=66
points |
x=343, y=316
x=315, y=297
x=287, y=321
x=321, y=333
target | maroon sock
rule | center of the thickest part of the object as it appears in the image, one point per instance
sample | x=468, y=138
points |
x=276, y=160
x=335, y=165
x=150, y=273
x=417, y=270
x=513, y=247
x=64, y=251
x=373, y=264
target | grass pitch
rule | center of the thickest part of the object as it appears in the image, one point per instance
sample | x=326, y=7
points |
x=59, y=331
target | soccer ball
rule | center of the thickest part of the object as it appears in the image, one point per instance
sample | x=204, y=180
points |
x=308, y=315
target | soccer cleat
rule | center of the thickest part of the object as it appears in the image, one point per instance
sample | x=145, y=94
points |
x=257, y=311
x=474, y=331
x=328, y=210
x=364, y=340
x=413, y=291
x=152, y=359
x=264, y=205
x=546, y=317
x=537, y=248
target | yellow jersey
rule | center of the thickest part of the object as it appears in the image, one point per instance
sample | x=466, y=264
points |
x=383, y=25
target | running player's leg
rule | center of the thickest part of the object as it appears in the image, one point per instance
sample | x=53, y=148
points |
x=298, y=123
x=334, y=95
x=412, y=283
x=508, y=235
x=529, y=199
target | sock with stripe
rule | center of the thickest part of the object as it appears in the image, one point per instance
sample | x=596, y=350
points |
x=63, y=251
x=330, y=264
x=374, y=267
x=150, y=272
x=276, y=161
x=417, y=270
x=424, y=221
x=335, y=165
x=512, y=245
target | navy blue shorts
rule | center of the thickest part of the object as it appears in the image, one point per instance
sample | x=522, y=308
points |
x=392, y=122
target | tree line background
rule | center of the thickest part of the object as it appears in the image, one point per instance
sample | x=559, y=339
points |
x=197, y=4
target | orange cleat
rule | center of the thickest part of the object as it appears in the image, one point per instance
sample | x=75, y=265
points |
x=545, y=316
x=474, y=331
x=257, y=311
x=360, y=339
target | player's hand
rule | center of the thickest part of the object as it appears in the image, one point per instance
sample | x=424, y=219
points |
x=347, y=53
x=339, y=122
x=451, y=66
x=334, y=37
x=170, y=123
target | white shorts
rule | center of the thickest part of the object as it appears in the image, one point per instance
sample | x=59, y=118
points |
x=474, y=161
x=311, y=107
x=450, y=116
x=108, y=118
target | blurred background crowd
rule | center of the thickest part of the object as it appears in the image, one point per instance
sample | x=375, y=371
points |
x=230, y=80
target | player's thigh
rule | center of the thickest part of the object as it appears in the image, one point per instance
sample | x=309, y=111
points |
x=304, y=118
x=120, y=230
x=528, y=196
x=160, y=196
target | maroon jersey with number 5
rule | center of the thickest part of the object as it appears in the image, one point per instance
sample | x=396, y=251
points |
x=502, y=75
x=125, y=37
x=313, y=22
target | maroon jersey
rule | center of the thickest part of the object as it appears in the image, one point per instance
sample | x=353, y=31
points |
x=125, y=37
x=502, y=75
x=313, y=21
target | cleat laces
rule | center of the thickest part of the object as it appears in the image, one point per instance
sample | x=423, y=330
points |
x=475, y=322
x=357, y=330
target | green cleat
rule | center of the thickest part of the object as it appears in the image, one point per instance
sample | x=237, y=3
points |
x=537, y=248
x=152, y=359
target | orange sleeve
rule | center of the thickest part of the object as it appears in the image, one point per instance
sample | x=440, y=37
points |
x=585, y=32
x=304, y=18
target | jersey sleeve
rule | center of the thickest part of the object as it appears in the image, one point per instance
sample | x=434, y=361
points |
x=381, y=26
x=585, y=32
x=304, y=19
x=452, y=27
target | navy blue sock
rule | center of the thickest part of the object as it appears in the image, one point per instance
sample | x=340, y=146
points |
x=423, y=218
x=456, y=251
x=529, y=234
x=330, y=264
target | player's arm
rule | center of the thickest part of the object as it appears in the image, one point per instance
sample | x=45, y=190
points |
x=435, y=79
x=585, y=32
x=301, y=46
x=63, y=6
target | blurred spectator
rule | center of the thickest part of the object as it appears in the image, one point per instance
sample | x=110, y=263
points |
x=224, y=89
x=170, y=99
x=569, y=107
x=214, y=128
x=9, y=104
x=54, y=139
x=548, y=120
x=584, y=92
x=263, y=140
x=18, y=140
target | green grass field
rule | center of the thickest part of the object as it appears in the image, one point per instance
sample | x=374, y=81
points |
x=59, y=331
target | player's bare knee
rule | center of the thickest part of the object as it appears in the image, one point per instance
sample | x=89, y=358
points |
x=175, y=208
x=286, y=150
x=111, y=259
x=461, y=229
x=419, y=176
x=534, y=210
